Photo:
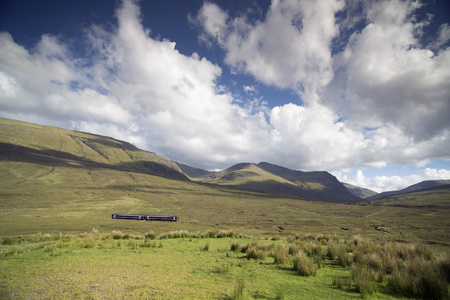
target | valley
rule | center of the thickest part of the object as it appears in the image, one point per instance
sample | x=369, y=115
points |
x=59, y=189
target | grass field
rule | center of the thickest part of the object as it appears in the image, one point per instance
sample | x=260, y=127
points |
x=183, y=265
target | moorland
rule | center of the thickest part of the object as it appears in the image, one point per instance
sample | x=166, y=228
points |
x=60, y=187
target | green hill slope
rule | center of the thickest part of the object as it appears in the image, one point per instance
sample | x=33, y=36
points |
x=49, y=146
x=359, y=191
x=435, y=197
x=272, y=179
x=412, y=188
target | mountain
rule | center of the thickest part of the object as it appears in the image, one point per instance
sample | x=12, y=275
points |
x=415, y=187
x=44, y=150
x=276, y=180
x=359, y=191
x=52, y=147
x=436, y=197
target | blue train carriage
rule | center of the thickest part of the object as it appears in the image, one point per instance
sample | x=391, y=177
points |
x=145, y=217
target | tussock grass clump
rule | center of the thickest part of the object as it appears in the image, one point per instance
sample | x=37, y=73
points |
x=343, y=282
x=374, y=261
x=174, y=235
x=280, y=254
x=364, y=279
x=148, y=244
x=12, y=251
x=419, y=277
x=235, y=246
x=332, y=250
x=89, y=243
x=303, y=265
x=117, y=235
x=222, y=269
x=443, y=263
x=310, y=247
x=150, y=235
x=422, y=250
x=133, y=244
x=226, y=233
x=344, y=259
x=238, y=291
x=208, y=234
x=254, y=252
x=8, y=240
x=323, y=239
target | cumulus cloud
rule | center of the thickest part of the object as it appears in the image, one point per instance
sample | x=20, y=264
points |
x=386, y=76
x=380, y=98
x=393, y=183
x=132, y=81
x=289, y=49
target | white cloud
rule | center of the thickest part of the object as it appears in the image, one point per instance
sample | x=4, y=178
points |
x=289, y=49
x=386, y=76
x=393, y=183
x=249, y=89
x=382, y=100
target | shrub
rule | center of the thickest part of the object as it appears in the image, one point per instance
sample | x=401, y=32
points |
x=303, y=265
x=279, y=254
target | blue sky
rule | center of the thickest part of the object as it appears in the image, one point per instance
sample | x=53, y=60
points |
x=357, y=88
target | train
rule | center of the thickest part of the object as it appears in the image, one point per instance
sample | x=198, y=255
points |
x=145, y=217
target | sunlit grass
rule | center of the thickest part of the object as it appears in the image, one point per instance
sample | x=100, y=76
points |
x=185, y=266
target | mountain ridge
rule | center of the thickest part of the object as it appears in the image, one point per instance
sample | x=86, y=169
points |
x=412, y=188
x=268, y=178
x=51, y=146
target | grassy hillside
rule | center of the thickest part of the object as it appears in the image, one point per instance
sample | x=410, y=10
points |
x=437, y=197
x=58, y=189
x=360, y=192
x=412, y=188
x=272, y=179
x=55, y=180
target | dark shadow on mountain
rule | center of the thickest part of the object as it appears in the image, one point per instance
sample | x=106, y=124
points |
x=276, y=188
x=54, y=158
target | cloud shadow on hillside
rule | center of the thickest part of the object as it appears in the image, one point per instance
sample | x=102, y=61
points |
x=54, y=158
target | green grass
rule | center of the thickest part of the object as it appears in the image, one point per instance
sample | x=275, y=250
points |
x=62, y=266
